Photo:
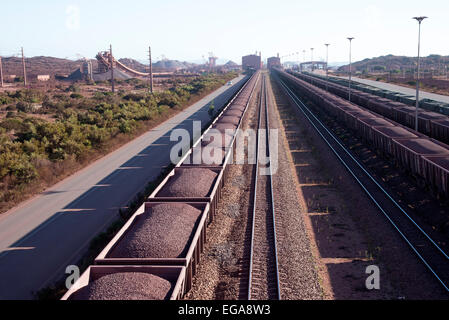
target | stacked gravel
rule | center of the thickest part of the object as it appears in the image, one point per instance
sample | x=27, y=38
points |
x=126, y=286
x=424, y=146
x=235, y=113
x=241, y=100
x=189, y=182
x=207, y=150
x=213, y=156
x=229, y=119
x=163, y=231
x=224, y=126
x=237, y=107
x=396, y=132
x=212, y=142
x=377, y=122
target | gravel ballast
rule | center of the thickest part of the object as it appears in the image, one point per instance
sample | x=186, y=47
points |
x=126, y=286
x=192, y=182
x=164, y=231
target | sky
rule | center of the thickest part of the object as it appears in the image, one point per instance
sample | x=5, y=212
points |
x=188, y=30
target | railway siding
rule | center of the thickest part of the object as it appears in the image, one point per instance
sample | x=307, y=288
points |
x=416, y=248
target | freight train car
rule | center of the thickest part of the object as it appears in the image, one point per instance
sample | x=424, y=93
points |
x=156, y=253
x=426, y=158
x=429, y=122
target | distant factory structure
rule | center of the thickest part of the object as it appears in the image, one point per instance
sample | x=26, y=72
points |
x=43, y=77
x=86, y=70
x=252, y=61
x=274, y=62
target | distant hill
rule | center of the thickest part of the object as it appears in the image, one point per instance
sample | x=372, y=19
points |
x=39, y=65
x=172, y=65
x=231, y=64
x=56, y=66
x=398, y=63
x=162, y=65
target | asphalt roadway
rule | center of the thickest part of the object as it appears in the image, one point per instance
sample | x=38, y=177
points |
x=400, y=89
x=42, y=236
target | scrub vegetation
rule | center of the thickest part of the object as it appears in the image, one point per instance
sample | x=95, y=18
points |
x=45, y=136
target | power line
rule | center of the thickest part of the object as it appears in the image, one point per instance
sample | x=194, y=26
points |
x=1, y=72
x=112, y=68
x=151, y=70
x=24, y=70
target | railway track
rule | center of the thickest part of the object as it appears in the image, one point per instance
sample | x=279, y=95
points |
x=263, y=282
x=435, y=259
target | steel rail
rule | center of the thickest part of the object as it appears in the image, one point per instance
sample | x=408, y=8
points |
x=303, y=108
x=383, y=189
x=263, y=103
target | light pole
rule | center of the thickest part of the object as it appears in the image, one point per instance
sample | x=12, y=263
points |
x=297, y=54
x=311, y=49
x=327, y=61
x=350, y=47
x=303, y=57
x=112, y=69
x=419, y=19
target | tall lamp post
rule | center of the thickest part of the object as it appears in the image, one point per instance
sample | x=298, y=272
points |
x=350, y=47
x=303, y=57
x=297, y=55
x=419, y=19
x=311, y=49
x=327, y=61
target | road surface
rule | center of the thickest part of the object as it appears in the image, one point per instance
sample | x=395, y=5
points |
x=400, y=89
x=44, y=235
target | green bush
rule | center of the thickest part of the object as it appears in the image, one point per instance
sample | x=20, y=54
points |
x=80, y=123
x=73, y=88
x=76, y=96
x=24, y=107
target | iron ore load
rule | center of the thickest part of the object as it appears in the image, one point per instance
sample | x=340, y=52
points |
x=387, y=126
x=430, y=123
x=155, y=254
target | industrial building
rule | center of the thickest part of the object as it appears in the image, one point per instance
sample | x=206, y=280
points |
x=274, y=62
x=251, y=61
x=43, y=77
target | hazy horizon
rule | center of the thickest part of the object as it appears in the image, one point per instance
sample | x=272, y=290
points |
x=183, y=31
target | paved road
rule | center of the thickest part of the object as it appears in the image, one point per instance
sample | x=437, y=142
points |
x=42, y=236
x=400, y=89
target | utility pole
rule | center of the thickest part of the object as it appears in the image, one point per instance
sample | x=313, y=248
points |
x=297, y=54
x=151, y=70
x=112, y=68
x=303, y=57
x=327, y=61
x=350, y=47
x=311, y=49
x=1, y=72
x=24, y=70
x=419, y=19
